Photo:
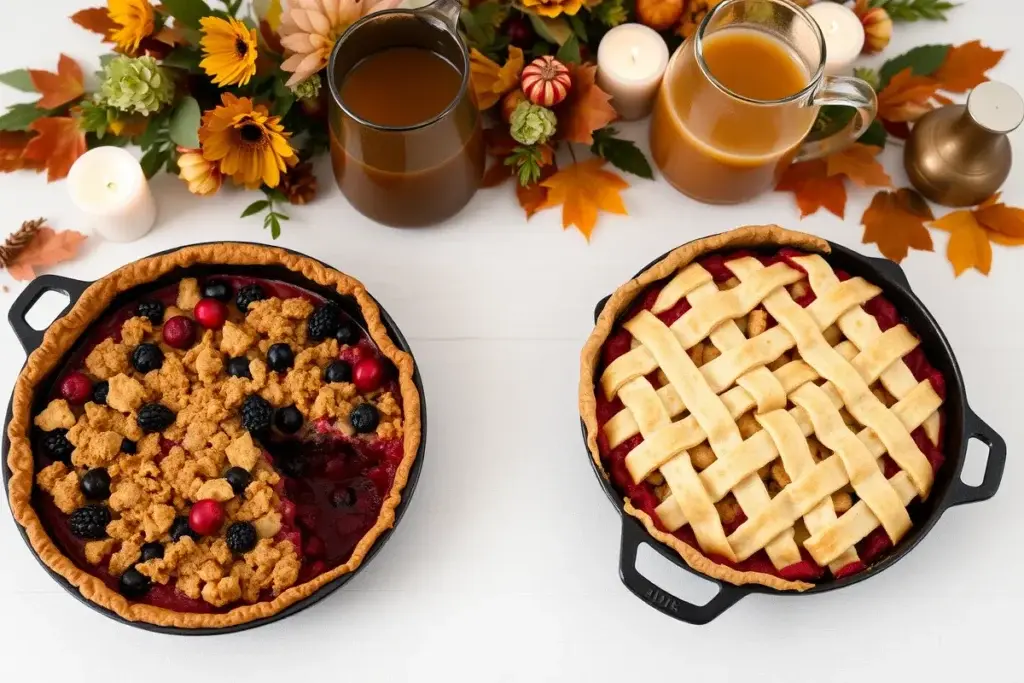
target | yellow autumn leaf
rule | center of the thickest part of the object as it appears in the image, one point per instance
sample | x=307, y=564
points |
x=968, y=242
x=491, y=81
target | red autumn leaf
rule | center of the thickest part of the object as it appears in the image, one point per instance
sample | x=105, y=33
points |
x=533, y=197
x=97, y=20
x=907, y=97
x=47, y=248
x=814, y=188
x=860, y=164
x=895, y=222
x=12, y=152
x=965, y=66
x=586, y=109
x=59, y=88
x=58, y=144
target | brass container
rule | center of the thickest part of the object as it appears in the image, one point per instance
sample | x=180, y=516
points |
x=959, y=155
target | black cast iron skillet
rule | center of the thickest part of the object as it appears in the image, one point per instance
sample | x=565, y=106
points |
x=961, y=426
x=31, y=339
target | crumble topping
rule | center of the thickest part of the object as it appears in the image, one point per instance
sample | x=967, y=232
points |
x=107, y=359
x=126, y=394
x=135, y=330
x=188, y=294
x=57, y=415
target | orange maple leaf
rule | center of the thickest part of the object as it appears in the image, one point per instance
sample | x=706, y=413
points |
x=586, y=109
x=12, y=152
x=965, y=65
x=895, y=222
x=814, y=187
x=859, y=163
x=533, y=196
x=58, y=144
x=97, y=20
x=59, y=88
x=491, y=81
x=47, y=248
x=906, y=97
x=582, y=190
x=971, y=233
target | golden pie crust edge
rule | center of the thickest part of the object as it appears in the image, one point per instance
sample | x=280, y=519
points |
x=93, y=303
x=739, y=238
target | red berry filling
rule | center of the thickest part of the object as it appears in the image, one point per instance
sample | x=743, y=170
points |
x=76, y=388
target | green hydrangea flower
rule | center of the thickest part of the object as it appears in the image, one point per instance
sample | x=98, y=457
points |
x=308, y=89
x=136, y=84
x=532, y=124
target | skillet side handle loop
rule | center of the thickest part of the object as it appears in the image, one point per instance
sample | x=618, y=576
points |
x=892, y=271
x=632, y=536
x=30, y=337
x=964, y=493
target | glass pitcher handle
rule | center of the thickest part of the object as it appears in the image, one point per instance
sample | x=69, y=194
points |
x=447, y=11
x=842, y=91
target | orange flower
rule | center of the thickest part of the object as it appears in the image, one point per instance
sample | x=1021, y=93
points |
x=203, y=177
x=553, y=8
x=248, y=144
x=694, y=13
x=135, y=19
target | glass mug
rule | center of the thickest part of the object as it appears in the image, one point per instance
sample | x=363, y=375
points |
x=405, y=172
x=721, y=146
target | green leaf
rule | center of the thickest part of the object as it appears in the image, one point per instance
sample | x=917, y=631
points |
x=152, y=136
x=552, y=30
x=539, y=49
x=108, y=58
x=611, y=13
x=275, y=226
x=915, y=10
x=922, y=61
x=187, y=58
x=184, y=126
x=622, y=154
x=284, y=98
x=153, y=160
x=874, y=135
x=578, y=27
x=569, y=53
x=19, y=80
x=255, y=208
x=187, y=12
x=20, y=116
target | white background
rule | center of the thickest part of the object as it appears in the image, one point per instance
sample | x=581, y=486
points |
x=505, y=568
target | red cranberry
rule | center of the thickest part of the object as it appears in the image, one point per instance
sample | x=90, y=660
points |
x=206, y=517
x=314, y=548
x=519, y=32
x=318, y=567
x=368, y=374
x=76, y=388
x=210, y=313
x=380, y=478
x=288, y=512
x=179, y=332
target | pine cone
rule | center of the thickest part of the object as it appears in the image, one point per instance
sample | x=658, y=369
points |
x=16, y=243
x=299, y=185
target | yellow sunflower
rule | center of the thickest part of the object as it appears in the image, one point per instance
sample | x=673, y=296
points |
x=135, y=19
x=248, y=144
x=229, y=47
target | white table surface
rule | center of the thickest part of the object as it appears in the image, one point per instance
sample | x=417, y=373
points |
x=505, y=568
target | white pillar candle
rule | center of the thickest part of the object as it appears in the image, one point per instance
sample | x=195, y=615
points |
x=108, y=185
x=843, y=32
x=631, y=60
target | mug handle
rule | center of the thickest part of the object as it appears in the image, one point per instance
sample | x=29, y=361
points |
x=843, y=91
x=448, y=11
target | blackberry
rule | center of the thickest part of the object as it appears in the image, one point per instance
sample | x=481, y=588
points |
x=239, y=367
x=239, y=478
x=134, y=584
x=154, y=417
x=147, y=357
x=280, y=357
x=151, y=551
x=128, y=446
x=152, y=309
x=248, y=295
x=90, y=522
x=364, y=418
x=291, y=465
x=347, y=334
x=288, y=419
x=257, y=414
x=181, y=528
x=95, y=484
x=217, y=289
x=241, y=537
x=100, y=391
x=324, y=322
x=338, y=371
x=57, y=446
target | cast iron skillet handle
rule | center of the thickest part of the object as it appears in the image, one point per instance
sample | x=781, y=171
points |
x=31, y=338
x=964, y=493
x=892, y=270
x=666, y=603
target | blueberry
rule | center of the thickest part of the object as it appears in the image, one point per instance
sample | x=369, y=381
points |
x=147, y=357
x=338, y=371
x=288, y=419
x=100, y=391
x=95, y=484
x=239, y=478
x=217, y=289
x=280, y=357
x=128, y=446
x=347, y=334
x=364, y=418
x=151, y=551
x=181, y=528
x=239, y=367
x=134, y=584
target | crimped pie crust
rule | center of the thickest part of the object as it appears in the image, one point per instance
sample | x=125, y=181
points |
x=745, y=237
x=93, y=303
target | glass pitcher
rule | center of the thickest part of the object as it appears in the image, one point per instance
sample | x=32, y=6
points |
x=402, y=172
